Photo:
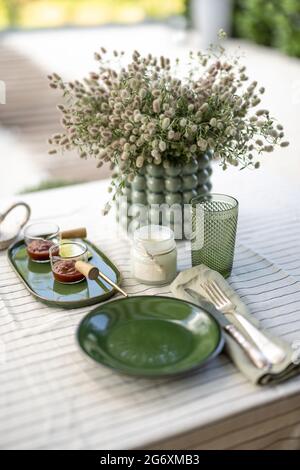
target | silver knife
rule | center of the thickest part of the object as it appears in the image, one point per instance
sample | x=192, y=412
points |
x=254, y=354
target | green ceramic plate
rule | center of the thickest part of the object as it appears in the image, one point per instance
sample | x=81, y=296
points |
x=150, y=335
x=39, y=280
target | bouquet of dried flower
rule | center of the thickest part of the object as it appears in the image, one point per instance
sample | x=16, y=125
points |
x=146, y=112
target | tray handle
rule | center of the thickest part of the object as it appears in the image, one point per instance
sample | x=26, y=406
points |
x=14, y=206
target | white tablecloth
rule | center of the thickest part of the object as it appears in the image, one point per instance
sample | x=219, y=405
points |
x=51, y=396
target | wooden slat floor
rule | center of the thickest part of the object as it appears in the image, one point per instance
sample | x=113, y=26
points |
x=30, y=112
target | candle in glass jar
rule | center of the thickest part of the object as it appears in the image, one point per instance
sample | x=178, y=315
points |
x=154, y=255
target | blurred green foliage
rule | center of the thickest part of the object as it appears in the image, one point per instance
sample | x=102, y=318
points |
x=188, y=11
x=269, y=22
x=49, y=184
x=288, y=27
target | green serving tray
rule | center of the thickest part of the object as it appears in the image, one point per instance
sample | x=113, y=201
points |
x=38, y=279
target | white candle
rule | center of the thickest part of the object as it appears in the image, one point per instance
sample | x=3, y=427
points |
x=154, y=255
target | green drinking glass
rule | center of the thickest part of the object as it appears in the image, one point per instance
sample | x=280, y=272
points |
x=214, y=223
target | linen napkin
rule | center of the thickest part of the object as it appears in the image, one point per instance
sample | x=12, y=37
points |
x=192, y=279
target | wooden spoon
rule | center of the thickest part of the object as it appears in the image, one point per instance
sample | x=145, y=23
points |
x=92, y=272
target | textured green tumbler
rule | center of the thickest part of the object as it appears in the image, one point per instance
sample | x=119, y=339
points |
x=214, y=222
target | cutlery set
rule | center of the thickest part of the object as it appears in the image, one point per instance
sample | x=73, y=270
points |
x=259, y=348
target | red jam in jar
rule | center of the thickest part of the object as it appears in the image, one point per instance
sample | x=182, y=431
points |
x=38, y=250
x=64, y=271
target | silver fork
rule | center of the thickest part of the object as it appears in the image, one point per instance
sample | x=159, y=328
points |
x=271, y=351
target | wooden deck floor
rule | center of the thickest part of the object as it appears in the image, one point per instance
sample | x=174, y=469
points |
x=30, y=112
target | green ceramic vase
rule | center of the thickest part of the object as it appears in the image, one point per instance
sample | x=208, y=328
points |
x=161, y=195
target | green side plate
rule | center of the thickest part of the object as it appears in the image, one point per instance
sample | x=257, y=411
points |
x=150, y=335
x=38, y=279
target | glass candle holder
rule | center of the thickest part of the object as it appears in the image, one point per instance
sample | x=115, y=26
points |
x=39, y=238
x=214, y=223
x=63, y=257
x=154, y=255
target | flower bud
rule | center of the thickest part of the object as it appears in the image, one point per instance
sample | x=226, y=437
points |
x=202, y=144
x=142, y=93
x=140, y=161
x=162, y=145
x=156, y=105
x=171, y=134
x=165, y=123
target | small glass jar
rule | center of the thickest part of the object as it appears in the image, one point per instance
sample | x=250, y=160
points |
x=154, y=255
x=39, y=238
x=63, y=257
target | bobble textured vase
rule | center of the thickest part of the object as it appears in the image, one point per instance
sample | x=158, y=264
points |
x=161, y=195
